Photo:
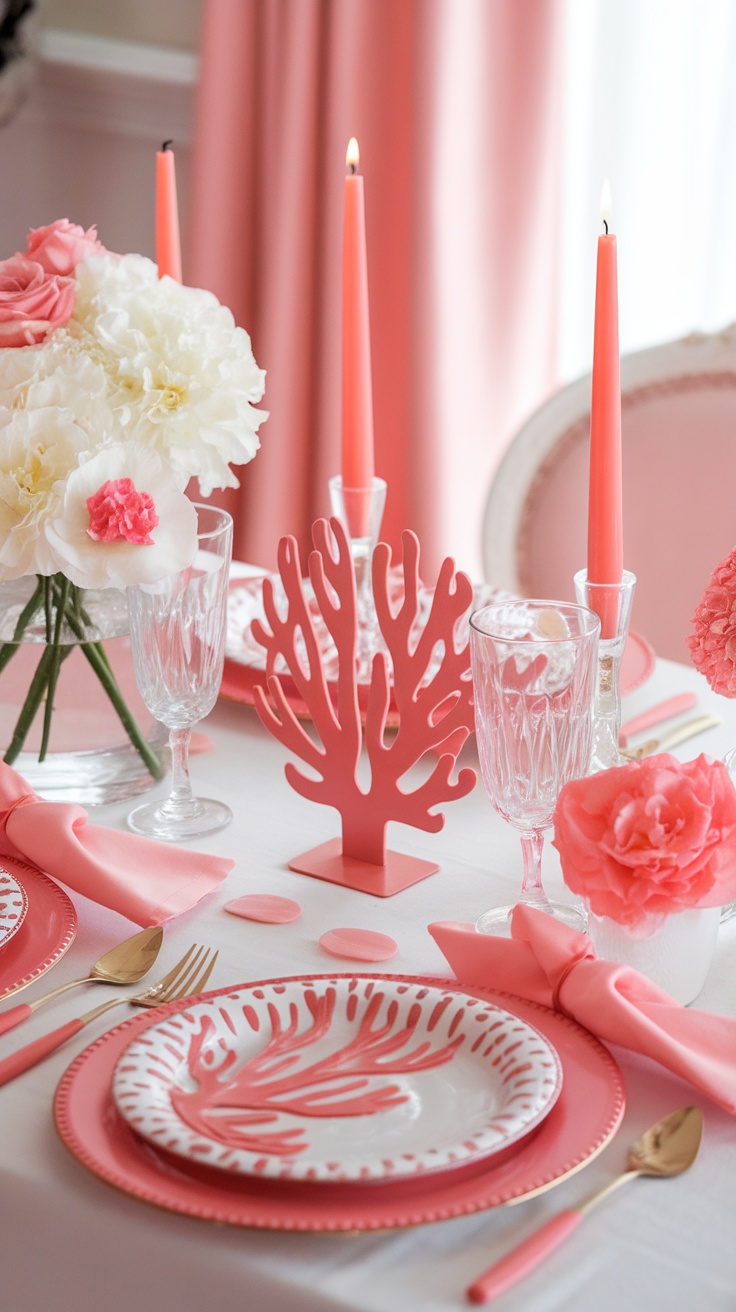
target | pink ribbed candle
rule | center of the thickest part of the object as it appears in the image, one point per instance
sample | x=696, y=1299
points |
x=605, y=516
x=357, y=388
x=168, y=245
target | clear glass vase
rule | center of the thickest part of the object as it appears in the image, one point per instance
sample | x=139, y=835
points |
x=677, y=956
x=89, y=756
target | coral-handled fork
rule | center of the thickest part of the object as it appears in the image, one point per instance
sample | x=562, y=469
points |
x=188, y=976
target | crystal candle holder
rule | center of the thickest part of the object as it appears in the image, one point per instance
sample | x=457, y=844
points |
x=360, y=510
x=612, y=602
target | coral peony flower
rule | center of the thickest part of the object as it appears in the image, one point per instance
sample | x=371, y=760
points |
x=122, y=557
x=31, y=301
x=713, y=642
x=61, y=246
x=649, y=838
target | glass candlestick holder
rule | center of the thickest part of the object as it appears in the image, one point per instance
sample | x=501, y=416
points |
x=360, y=510
x=612, y=602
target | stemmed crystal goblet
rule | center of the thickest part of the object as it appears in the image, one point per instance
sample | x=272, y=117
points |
x=534, y=669
x=177, y=631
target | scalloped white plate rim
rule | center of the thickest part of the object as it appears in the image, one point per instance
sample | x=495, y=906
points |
x=156, y=1063
x=9, y=925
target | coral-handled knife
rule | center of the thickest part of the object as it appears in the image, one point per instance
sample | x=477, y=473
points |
x=684, y=701
x=672, y=739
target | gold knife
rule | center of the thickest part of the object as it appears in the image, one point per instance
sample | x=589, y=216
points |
x=672, y=738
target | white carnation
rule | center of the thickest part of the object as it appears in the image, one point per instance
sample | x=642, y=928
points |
x=38, y=448
x=122, y=563
x=181, y=374
x=63, y=372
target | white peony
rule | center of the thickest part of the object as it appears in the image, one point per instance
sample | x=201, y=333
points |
x=181, y=374
x=37, y=450
x=63, y=372
x=125, y=477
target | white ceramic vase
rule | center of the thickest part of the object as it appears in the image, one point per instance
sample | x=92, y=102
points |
x=677, y=956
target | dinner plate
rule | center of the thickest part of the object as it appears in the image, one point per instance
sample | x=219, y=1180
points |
x=584, y=1118
x=637, y=662
x=47, y=931
x=336, y=1079
x=13, y=906
x=245, y=659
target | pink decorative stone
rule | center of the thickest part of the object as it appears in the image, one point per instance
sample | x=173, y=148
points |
x=359, y=944
x=266, y=907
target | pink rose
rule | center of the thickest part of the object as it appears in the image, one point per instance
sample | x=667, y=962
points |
x=649, y=838
x=61, y=246
x=31, y=301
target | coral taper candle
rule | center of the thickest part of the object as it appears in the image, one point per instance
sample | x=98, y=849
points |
x=605, y=516
x=168, y=245
x=357, y=388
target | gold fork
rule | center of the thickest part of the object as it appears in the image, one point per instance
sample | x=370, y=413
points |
x=187, y=977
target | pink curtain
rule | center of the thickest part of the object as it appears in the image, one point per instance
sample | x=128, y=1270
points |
x=455, y=107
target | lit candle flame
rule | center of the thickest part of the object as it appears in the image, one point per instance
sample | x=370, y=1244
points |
x=606, y=203
x=352, y=158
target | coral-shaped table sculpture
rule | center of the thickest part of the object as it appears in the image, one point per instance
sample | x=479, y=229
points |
x=432, y=692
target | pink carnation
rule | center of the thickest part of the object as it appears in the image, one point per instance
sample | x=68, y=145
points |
x=649, y=838
x=119, y=513
x=61, y=246
x=31, y=301
x=713, y=643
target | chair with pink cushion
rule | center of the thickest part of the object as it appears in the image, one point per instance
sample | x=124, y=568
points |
x=679, y=478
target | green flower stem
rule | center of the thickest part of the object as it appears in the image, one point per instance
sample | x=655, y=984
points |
x=8, y=649
x=48, y=604
x=59, y=653
x=97, y=658
x=77, y=619
x=33, y=700
x=28, y=611
x=62, y=601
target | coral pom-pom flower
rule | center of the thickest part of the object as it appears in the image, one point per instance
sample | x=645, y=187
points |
x=119, y=513
x=713, y=641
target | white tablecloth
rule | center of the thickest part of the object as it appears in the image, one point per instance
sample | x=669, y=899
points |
x=70, y=1243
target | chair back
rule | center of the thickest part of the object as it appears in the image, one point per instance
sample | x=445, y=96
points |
x=678, y=411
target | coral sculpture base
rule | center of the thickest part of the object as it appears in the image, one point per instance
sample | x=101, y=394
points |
x=327, y=862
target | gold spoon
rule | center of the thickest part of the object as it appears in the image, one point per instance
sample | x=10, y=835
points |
x=666, y=1149
x=124, y=964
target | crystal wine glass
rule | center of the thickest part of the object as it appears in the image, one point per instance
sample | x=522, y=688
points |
x=177, y=630
x=534, y=674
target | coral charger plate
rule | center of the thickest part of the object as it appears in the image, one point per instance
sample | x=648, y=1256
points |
x=582, y=1121
x=48, y=929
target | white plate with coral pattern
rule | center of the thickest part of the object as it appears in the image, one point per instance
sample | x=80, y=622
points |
x=13, y=906
x=335, y=1079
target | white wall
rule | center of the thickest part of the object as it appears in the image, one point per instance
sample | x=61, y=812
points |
x=171, y=23
x=83, y=144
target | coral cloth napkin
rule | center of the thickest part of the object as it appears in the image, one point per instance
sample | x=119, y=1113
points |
x=146, y=881
x=557, y=967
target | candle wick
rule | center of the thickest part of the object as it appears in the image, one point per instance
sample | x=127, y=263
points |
x=605, y=225
x=168, y=144
x=351, y=167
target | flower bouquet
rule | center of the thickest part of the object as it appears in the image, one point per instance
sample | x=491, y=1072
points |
x=651, y=848
x=116, y=388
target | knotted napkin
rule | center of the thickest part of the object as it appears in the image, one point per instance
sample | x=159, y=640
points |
x=548, y=963
x=146, y=881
